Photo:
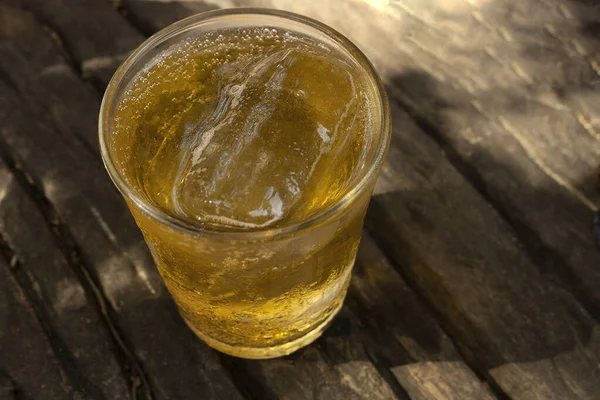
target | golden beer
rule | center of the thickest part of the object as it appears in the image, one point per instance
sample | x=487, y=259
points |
x=246, y=145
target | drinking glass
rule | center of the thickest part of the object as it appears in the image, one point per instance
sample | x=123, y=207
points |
x=264, y=292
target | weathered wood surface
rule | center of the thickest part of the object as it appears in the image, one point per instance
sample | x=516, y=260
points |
x=93, y=223
x=484, y=207
x=72, y=317
x=178, y=377
x=29, y=367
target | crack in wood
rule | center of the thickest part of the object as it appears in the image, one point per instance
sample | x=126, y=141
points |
x=128, y=16
x=597, y=228
x=76, y=66
x=128, y=361
x=70, y=62
x=60, y=349
x=385, y=372
x=7, y=79
x=9, y=389
x=529, y=149
x=245, y=380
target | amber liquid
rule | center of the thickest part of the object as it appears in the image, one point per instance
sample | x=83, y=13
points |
x=248, y=130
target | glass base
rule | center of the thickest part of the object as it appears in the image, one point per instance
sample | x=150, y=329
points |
x=260, y=353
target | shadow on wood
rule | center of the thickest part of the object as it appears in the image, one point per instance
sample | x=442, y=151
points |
x=515, y=314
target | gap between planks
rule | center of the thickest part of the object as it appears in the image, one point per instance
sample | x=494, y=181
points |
x=66, y=244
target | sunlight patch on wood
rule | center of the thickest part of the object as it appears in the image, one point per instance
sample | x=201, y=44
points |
x=362, y=377
x=102, y=62
x=109, y=233
x=521, y=379
x=69, y=296
x=56, y=69
x=530, y=150
x=441, y=380
x=6, y=179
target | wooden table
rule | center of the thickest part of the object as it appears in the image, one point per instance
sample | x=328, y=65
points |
x=477, y=278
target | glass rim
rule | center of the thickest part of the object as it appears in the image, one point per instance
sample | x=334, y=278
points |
x=321, y=216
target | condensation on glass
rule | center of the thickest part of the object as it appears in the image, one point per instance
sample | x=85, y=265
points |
x=246, y=144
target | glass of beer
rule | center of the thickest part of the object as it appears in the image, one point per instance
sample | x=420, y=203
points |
x=246, y=143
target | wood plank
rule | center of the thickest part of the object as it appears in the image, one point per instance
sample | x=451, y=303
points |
x=98, y=48
x=28, y=365
x=323, y=370
x=104, y=237
x=7, y=387
x=530, y=336
x=425, y=361
x=71, y=314
x=46, y=74
x=523, y=142
x=151, y=16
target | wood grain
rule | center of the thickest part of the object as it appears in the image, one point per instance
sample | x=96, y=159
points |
x=28, y=363
x=524, y=141
x=150, y=17
x=385, y=333
x=97, y=226
x=88, y=353
x=95, y=49
x=532, y=338
x=483, y=205
x=401, y=335
x=326, y=370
